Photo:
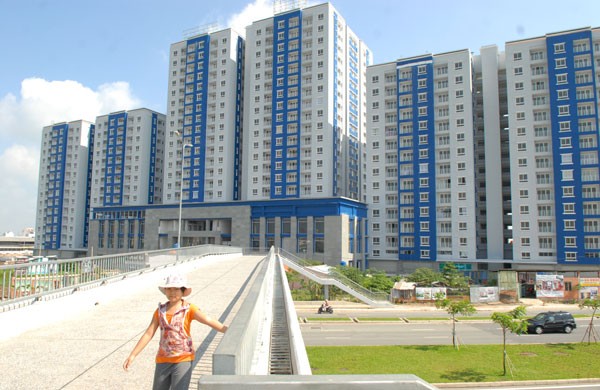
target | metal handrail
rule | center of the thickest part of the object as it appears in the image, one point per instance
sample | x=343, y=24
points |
x=25, y=283
x=336, y=275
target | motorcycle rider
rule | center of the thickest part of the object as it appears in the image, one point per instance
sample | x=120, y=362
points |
x=324, y=307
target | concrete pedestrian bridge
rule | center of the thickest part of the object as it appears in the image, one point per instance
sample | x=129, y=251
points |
x=61, y=327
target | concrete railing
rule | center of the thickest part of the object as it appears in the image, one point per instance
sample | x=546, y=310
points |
x=300, y=363
x=241, y=351
x=316, y=382
x=244, y=349
x=241, y=359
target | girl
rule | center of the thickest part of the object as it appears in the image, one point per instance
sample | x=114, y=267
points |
x=176, y=352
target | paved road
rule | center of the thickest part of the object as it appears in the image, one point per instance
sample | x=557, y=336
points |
x=425, y=333
x=310, y=311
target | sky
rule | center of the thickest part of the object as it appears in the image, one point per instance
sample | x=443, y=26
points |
x=65, y=60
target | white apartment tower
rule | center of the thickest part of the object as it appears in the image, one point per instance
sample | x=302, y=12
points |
x=61, y=217
x=127, y=159
x=553, y=102
x=204, y=118
x=421, y=160
x=304, y=122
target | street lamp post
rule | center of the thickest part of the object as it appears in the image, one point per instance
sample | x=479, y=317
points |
x=183, y=146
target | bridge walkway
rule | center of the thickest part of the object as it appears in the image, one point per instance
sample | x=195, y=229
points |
x=80, y=341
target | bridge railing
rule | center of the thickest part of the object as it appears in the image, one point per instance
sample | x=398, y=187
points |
x=375, y=296
x=25, y=283
x=240, y=352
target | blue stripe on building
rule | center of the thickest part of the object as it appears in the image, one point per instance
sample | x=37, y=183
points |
x=574, y=134
x=115, y=159
x=56, y=183
x=237, y=177
x=194, y=122
x=413, y=183
x=285, y=134
x=88, y=187
x=152, y=173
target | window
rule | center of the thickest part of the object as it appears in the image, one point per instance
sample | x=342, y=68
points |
x=518, y=71
x=559, y=47
x=569, y=208
x=561, y=78
x=562, y=94
x=518, y=86
x=517, y=56
x=458, y=80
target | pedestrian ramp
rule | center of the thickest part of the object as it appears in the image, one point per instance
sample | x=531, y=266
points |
x=329, y=276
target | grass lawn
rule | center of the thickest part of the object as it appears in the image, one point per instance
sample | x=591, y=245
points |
x=378, y=319
x=328, y=319
x=471, y=318
x=472, y=363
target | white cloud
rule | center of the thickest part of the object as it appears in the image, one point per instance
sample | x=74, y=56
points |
x=19, y=173
x=42, y=103
x=258, y=10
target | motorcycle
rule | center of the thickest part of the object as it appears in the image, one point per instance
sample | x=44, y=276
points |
x=327, y=309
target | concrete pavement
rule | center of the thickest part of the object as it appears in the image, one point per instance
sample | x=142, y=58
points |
x=80, y=341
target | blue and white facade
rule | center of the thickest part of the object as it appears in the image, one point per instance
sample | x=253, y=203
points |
x=204, y=119
x=421, y=159
x=305, y=115
x=290, y=137
x=552, y=88
x=62, y=186
x=127, y=163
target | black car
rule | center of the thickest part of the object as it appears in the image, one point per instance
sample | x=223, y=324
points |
x=551, y=321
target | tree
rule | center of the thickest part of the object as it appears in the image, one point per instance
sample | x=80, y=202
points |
x=377, y=281
x=590, y=331
x=510, y=322
x=453, y=278
x=424, y=276
x=352, y=273
x=453, y=308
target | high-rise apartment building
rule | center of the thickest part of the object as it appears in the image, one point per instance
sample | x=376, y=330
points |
x=62, y=208
x=552, y=89
x=421, y=160
x=290, y=137
x=304, y=121
x=204, y=118
x=127, y=160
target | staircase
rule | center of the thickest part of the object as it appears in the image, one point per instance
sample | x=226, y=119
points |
x=334, y=278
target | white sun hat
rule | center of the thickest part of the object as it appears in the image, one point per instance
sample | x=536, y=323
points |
x=178, y=281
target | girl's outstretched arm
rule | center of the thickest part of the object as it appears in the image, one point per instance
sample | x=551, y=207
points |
x=206, y=320
x=141, y=344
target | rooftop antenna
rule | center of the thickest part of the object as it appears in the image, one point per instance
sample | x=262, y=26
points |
x=281, y=6
x=200, y=30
